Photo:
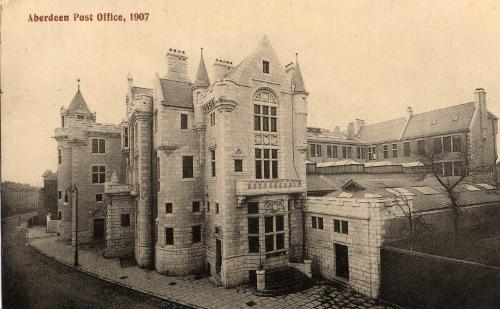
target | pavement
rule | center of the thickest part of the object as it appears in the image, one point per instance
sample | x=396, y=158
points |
x=32, y=280
x=190, y=290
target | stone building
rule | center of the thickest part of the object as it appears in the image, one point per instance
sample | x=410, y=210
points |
x=88, y=153
x=210, y=174
x=461, y=138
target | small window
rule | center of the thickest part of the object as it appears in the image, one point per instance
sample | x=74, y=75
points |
x=184, y=121
x=447, y=144
x=169, y=236
x=421, y=147
x=238, y=165
x=394, y=150
x=438, y=146
x=212, y=119
x=216, y=208
x=265, y=67
x=253, y=244
x=98, y=174
x=125, y=137
x=196, y=230
x=168, y=208
x=59, y=156
x=345, y=227
x=314, y=222
x=196, y=206
x=457, y=143
x=187, y=167
x=253, y=225
x=155, y=123
x=125, y=219
x=98, y=197
x=208, y=206
x=59, y=215
x=386, y=151
x=336, y=226
x=98, y=145
x=59, y=194
x=212, y=162
x=340, y=226
x=320, y=223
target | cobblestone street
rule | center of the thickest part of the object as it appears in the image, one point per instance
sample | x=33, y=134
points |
x=190, y=290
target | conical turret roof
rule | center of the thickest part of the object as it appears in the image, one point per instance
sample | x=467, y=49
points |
x=297, y=80
x=78, y=104
x=201, y=80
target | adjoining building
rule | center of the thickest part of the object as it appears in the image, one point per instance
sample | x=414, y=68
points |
x=210, y=175
x=88, y=153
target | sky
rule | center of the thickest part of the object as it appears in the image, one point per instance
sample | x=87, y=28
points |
x=359, y=59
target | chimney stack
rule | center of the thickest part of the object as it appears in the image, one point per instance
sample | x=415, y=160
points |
x=177, y=64
x=350, y=130
x=481, y=112
x=409, y=112
x=222, y=68
x=358, y=123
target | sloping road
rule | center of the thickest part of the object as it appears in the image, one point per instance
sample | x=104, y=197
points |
x=31, y=280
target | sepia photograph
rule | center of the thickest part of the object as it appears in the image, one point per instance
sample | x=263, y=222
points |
x=250, y=154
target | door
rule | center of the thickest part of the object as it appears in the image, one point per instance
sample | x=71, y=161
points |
x=99, y=229
x=342, y=261
x=218, y=255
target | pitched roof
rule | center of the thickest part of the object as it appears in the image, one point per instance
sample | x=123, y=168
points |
x=317, y=134
x=141, y=91
x=201, y=80
x=176, y=93
x=297, y=80
x=251, y=66
x=383, y=131
x=78, y=104
x=440, y=121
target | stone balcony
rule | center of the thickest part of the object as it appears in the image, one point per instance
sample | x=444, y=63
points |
x=251, y=187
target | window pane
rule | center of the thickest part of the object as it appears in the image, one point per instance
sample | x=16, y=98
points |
x=95, y=178
x=95, y=146
x=267, y=173
x=184, y=121
x=102, y=178
x=421, y=147
x=269, y=243
x=448, y=169
x=266, y=153
x=253, y=244
x=269, y=224
x=258, y=153
x=238, y=165
x=274, y=169
x=280, y=223
x=273, y=125
x=314, y=223
x=438, y=147
x=196, y=206
x=447, y=144
x=457, y=143
x=253, y=208
x=336, y=226
x=258, y=169
x=256, y=109
x=406, y=147
x=334, y=149
x=256, y=123
x=345, y=227
x=265, y=123
x=320, y=223
x=313, y=150
x=169, y=236
x=196, y=230
x=273, y=111
x=102, y=146
x=280, y=241
x=168, y=208
x=253, y=225
x=265, y=110
x=95, y=169
x=187, y=167
x=102, y=169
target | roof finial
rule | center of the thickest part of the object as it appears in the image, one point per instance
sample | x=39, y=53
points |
x=297, y=58
x=78, y=81
x=201, y=50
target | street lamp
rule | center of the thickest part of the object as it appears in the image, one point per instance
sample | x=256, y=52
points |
x=73, y=189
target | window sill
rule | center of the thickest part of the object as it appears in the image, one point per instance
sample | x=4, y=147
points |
x=188, y=179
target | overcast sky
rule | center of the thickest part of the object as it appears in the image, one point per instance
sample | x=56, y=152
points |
x=359, y=59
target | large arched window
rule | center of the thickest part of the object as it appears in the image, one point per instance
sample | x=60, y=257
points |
x=266, y=120
x=265, y=111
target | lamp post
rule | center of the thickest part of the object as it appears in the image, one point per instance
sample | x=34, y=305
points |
x=74, y=200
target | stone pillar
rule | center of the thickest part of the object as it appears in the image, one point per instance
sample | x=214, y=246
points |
x=143, y=239
x=261, y=280
x=308, y=268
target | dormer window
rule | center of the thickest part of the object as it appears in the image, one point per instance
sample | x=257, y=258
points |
x=265, y=67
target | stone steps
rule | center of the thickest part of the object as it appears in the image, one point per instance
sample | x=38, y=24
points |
x=284, y=280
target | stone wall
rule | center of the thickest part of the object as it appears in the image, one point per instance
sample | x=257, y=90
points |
x=365, y=219
x=119, y=239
